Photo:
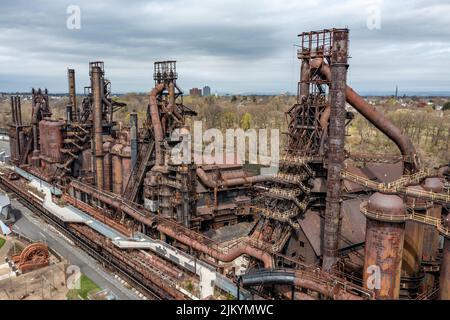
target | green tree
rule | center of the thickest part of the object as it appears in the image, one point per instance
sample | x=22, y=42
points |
x=246, y=121
x=446, y=105
x=228, y=120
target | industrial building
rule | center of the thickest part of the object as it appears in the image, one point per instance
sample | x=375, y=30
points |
x=329, y=225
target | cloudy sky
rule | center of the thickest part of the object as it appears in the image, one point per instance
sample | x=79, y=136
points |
x=232, y=45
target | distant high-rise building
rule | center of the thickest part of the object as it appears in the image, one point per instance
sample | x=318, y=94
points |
x=196, y=92
x=206, y=91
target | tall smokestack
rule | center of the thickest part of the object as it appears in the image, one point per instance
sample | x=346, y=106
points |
x=134, y=138
x=35, y=123
x=72, y=94
x=19, y=111
x=97, y=74
x=13, y=110
x=336, y=147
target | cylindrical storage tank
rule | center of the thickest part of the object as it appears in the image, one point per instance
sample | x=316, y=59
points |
x=384, y=245
x=444, y=278
x=431, y=235
x=107, y=165
x=43, y=136
x=117, y=168
x=126, y=166
x=413, y=246
x=51, y=139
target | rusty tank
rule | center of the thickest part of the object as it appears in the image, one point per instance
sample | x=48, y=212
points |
x=384, y=246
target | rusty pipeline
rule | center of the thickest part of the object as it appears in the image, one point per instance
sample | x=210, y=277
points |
x=381, y=122
x=228, y=256
x=211, y=183
x=156, y=122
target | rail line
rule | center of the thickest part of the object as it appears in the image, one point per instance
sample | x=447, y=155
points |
x=83, y=243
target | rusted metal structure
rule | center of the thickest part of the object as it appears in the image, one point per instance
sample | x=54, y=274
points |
x=384, y=246
x=33, y=256
x=303, y=226
x=338, y=65
x=72, y=95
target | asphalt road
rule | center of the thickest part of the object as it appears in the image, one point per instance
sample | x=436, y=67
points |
x=33, y=227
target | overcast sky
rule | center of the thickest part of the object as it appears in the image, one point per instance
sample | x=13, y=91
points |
x=232, y=45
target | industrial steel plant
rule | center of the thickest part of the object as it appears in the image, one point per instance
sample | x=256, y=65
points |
x=329, y=224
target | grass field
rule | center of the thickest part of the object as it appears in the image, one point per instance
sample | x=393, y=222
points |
x=86, y=286
x=2, y=242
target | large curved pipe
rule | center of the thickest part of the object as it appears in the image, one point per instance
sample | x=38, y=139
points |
x=376, y=118
x=297, y=278
x=209, y=182
x=156, y=121
x=228, y=256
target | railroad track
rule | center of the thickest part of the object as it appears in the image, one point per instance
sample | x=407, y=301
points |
x=80, y=241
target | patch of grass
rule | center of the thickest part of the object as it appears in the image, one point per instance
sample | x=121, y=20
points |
x=86, y=286
x=2, y=242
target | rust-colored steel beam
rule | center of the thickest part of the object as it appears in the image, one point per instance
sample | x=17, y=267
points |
x=336, y=154
x=97, y=83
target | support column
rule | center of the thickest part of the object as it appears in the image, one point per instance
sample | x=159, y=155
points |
x=336, y=147
x=98, y=127
x=134, y=140
x=72, y=94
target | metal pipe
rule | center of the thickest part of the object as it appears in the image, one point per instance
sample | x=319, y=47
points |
x=19, y=111
x=134, y=139
x=98, y=128
x=336, y=154
x=13, y=110
x=296, y=278
x=228, y=256
x=156, y=122
x=382, y=123
x=72, y=94
x=304, y=78
x=211, y=183
x=35, y=122
x=69, y=113
x=113, y=201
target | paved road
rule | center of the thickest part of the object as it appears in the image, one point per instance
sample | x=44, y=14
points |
x=33, y=227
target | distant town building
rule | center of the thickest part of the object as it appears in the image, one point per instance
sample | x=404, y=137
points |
x=195, y=92
x=206, y=91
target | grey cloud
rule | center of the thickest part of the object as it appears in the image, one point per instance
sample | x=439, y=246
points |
x=235, y=46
